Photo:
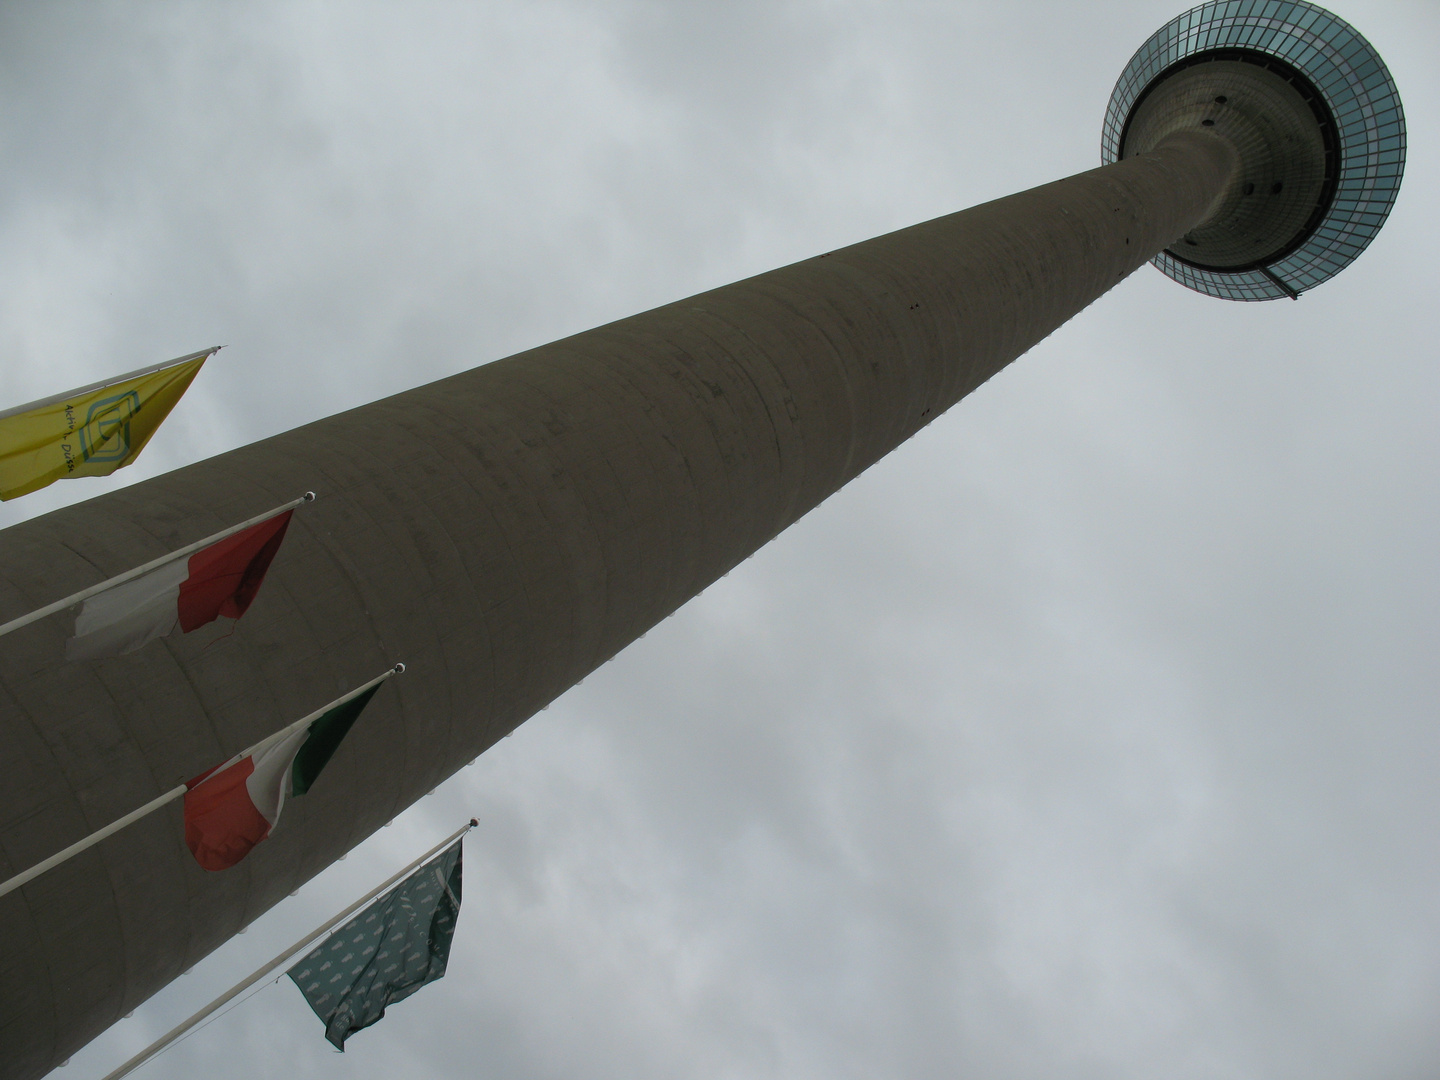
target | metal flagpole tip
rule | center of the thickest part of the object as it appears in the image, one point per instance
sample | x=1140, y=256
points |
x=474, y=823
x=309, y=496
x=1315, y=118
x=399, y=669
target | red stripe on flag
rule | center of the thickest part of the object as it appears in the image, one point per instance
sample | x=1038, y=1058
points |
x=225, y=577
x=221, y=823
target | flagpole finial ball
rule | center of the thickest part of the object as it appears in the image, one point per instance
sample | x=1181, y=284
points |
x=399, y=669
x=474, y=823
x=309, y=496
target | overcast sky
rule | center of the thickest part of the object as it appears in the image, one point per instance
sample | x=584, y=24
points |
x=1091, y=734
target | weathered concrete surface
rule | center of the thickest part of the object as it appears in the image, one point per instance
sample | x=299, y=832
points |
x=503, y=532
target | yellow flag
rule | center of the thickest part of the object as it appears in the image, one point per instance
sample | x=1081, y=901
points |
x=91, y=431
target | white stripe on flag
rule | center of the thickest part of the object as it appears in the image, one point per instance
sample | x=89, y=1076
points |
x=122, y=619
x=266, y=785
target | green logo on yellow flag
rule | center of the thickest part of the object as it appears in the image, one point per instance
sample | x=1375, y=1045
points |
x=91, y=431
x=106, y=434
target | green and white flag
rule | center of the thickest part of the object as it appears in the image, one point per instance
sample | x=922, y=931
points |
x=385, y=953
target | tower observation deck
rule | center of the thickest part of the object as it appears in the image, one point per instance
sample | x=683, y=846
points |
x=507, y=530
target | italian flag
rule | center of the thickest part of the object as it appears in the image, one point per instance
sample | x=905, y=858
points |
x=179, y=596
x=231, y=808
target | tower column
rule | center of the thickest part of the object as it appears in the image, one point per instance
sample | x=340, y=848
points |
x=503, y=532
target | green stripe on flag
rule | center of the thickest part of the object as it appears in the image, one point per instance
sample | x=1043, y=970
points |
x=325, y=736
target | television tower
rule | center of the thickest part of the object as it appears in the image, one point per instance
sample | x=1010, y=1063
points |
x=507, y=530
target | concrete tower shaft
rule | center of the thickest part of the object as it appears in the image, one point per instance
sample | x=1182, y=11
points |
x=503, y=532
x=1287, y=144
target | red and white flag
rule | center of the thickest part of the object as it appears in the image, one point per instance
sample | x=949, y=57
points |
x=181, y=595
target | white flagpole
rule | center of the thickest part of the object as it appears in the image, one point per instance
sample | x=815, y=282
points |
x=130, y=575
x=55, y=399
x=175, y=792
x=240, y=987
x=91, y=840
